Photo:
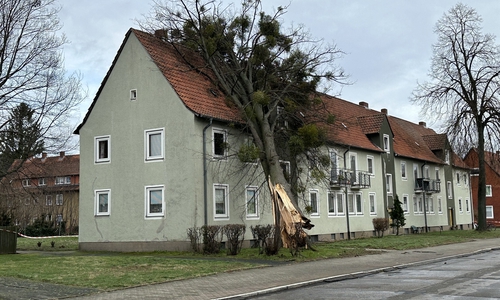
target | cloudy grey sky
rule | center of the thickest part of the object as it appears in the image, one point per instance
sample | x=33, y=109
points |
x=388, y=43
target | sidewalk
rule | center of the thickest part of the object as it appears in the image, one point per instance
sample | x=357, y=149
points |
x=242, y=284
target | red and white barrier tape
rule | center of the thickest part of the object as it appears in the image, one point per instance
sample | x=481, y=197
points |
x=38, y=237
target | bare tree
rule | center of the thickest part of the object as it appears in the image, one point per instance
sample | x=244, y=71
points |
x=463, y=88
x=270, y=75
x=32, y=71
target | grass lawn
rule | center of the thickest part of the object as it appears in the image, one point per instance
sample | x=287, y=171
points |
x=107, y=271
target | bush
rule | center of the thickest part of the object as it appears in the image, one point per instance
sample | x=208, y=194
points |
x=380, y=225
x=40, y=227
x=194, y=235
x=235, y=234
x=268, y=238
x=212, y=238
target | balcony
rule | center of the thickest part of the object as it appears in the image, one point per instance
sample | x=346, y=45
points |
x=346, y=177
x=427, y=185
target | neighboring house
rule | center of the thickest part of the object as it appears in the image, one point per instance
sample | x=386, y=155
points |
x=159, y=151
x=43, y=187
x=492, y=164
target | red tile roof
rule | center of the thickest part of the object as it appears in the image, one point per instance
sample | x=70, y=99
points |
x=53, y=166
x=352, y=122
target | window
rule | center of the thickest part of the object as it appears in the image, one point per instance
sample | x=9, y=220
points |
x=405, y=203
x=26, y=182
x=437, y=173
x=154, y=140
x=403, y=170
x=359, y=204
x=373, y=204
x=467, y=206
x=48, y=200
x=464, y=179
x=489, y=191
x=440, y=205
x=458, y=178
x=447, y=156
x=42, y=182
x=420, y=205
x=63, y=180
x=386, y=143
x=415, y=205
x=102, y=202
x=314, y=203
x=429, y=204
x=460, y=208
x=219, y=145
x=340, y=203
x=388, y=184
x=59, y=219
x=334, y=165
x=353, y=157
x=285, y=166
x=369, y=162
x=59, y=199
x=331, y=203
x=133, y=94
x=252, y=202
x=450, y=190
x=155, y=205
x=221, y=201
x=489, y=212
x=350, y=203
x=426, y=172
x=102, y=149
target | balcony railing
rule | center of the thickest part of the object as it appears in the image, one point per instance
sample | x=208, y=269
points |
x=428, y=185
x=346, y=177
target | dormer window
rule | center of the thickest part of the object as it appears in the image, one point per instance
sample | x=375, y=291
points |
x=387, y=147
x=26, y=182
x=447, y=156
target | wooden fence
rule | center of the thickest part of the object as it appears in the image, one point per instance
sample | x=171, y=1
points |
x=8, y=240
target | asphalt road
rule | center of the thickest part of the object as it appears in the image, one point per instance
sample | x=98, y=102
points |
x=471, y=277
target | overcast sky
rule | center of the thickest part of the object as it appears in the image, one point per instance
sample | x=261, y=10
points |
x=388, y=43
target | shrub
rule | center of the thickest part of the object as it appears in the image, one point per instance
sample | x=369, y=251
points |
x=235, y=234
x=194, y=235
x=268, y=238
x=212, y=238
x=380, y=225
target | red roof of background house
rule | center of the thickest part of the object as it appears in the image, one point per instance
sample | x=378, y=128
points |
x=48, y=166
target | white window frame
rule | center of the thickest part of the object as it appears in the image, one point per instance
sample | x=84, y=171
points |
x=285, y=166
x=353, y=158
x=225, y=188
x=147, y=196
x=388, y=183
x=449, y=189
x=332, y=203
x=430, y=204
x=489, y=212
x=42, y=181
x=458, y=178
x=405, y=203
x=339, y=198
x=404, y=171
x=371, y=159
x=447, y=156
x=460, y=206
x=254, y=215
x=97, y=195
x=316, y=195
x=224, y=134
x=60, y=180
x=358, y=204
x=133, y=94
x=48, y=200
x=97, y=141
x=415, y=204
x=373, y=203
x=420, y=202
x=386, y=143
x=467, y=205
x=489, y=190
x=147, y=145
x=26, y=182
x=59, y=199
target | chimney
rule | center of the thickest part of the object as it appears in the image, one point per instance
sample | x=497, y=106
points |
x=384, y=111
x=62, y=154
x=423, y=124
x=161, y=34
x=364, y=104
